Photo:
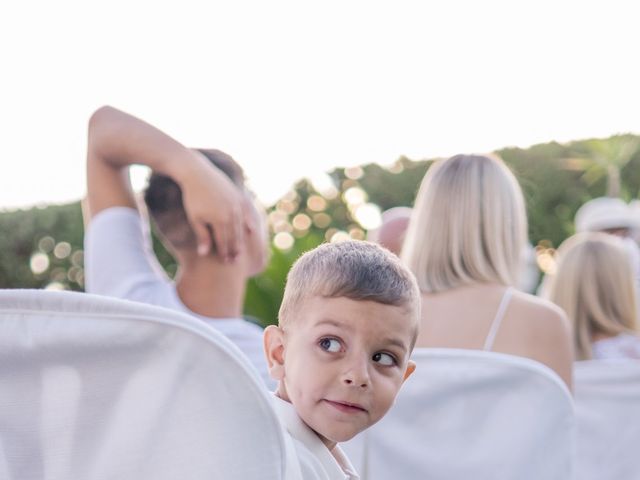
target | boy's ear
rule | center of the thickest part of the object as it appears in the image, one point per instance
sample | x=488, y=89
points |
x=411, y=367
x=273, y=339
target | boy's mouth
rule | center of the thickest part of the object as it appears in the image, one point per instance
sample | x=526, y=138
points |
x=346, y=407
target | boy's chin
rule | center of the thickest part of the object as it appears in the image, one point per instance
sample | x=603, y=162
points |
x=336, y=437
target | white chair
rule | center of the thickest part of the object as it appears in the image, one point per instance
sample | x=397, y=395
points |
x=607, y=398
x=468, y=414
x=95, y=388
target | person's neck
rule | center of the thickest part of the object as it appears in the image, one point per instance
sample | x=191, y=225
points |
x=208, y=287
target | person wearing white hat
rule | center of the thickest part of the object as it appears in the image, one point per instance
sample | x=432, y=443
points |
x=614, y=216
x=606, y=214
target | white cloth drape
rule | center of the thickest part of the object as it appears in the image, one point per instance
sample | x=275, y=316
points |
x=468, y=414
x=95, y=388
x=607, y=397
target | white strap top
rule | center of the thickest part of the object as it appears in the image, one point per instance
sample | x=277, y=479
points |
x=495, y=325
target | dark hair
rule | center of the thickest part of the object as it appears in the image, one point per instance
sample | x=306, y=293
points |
x=163, y=198
x=353, y=269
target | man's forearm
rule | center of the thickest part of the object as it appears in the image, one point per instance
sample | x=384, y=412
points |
x=120, y=140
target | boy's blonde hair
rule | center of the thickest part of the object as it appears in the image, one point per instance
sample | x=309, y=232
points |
x=468, y=225
x=353, y=269
x=594, y=285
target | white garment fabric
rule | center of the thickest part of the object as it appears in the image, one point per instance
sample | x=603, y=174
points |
x=97, y=388
x=316, y=461
x=119, y=262
x=623, y=345
x=470, y=414
x=607, y=399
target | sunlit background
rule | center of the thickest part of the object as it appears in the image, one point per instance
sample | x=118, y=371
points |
x=330, y=107
x=292, y=89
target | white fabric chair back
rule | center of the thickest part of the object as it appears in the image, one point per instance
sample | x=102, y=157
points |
x=607, y=397
x=468, y=414
x=95, y=388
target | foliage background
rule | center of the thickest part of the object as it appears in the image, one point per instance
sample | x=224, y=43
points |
x=42, y=247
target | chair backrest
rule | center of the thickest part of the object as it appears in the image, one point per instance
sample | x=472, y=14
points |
x=96, y=388
x=607, y=398
x=471, y=414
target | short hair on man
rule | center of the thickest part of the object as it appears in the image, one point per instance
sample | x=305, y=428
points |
x=594, y=285
x=163, y=198
x=469, y=225
x=354, y=269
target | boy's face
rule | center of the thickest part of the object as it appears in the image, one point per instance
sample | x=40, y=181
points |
x=341, y=362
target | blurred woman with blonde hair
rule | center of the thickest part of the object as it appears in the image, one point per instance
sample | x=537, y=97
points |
x=594, y=284
x=465, y=244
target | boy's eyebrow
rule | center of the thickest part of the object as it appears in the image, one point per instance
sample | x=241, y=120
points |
x=395, y=341
x=335, y=323
x=389, y=340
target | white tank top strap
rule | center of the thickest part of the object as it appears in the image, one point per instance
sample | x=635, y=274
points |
x=495, y=325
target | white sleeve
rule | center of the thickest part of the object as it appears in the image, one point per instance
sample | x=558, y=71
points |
x=119, y=259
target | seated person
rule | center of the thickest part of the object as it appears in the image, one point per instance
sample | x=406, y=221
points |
x=594, y=285
x=347, y=325
x=391, y=232
x=205, y=216
x=613, y=216
x=465, y=245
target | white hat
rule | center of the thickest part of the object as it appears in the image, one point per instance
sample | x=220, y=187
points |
x=603, y=213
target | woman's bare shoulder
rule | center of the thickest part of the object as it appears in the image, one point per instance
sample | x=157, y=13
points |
x=545, y=331
x=538, y=312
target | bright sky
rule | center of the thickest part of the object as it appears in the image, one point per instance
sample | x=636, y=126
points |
x=294, y=88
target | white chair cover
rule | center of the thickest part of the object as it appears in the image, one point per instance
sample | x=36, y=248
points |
x=468, y=414
x=96, y=388
x=607, y=397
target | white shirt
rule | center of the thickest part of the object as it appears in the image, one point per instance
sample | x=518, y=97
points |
x=316, y=461
x=623, y=345
x=119, y=262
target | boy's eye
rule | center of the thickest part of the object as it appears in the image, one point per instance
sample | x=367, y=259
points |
x=384, y=359
x=330, y=345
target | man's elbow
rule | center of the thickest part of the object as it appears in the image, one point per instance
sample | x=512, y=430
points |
x=101, y=116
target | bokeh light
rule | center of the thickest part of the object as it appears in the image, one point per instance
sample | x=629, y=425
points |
x=357, y=233
x=301, y=222
x=354, y=173
x=545, y=258
x=72, y=274
x=277, y=216
x=340, y=236
x=62, y=250
x=368, y=215
x=58, y=274
x=323, y=184
x=287, y=206
x=77, y=258
x=321, y=220
x=39, y=263
x=354, y=196
x=46, y=244
x=282, y=226
x=316, y=203
x=330, y=233
x=283, y=241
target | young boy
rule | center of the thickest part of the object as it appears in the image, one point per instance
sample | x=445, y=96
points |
x=347, y=325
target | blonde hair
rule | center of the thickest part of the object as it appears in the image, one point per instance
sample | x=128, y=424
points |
x=354, y=269
x=468, y=225
x=594, y=285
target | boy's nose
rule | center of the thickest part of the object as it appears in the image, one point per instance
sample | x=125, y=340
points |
x=357, y=375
